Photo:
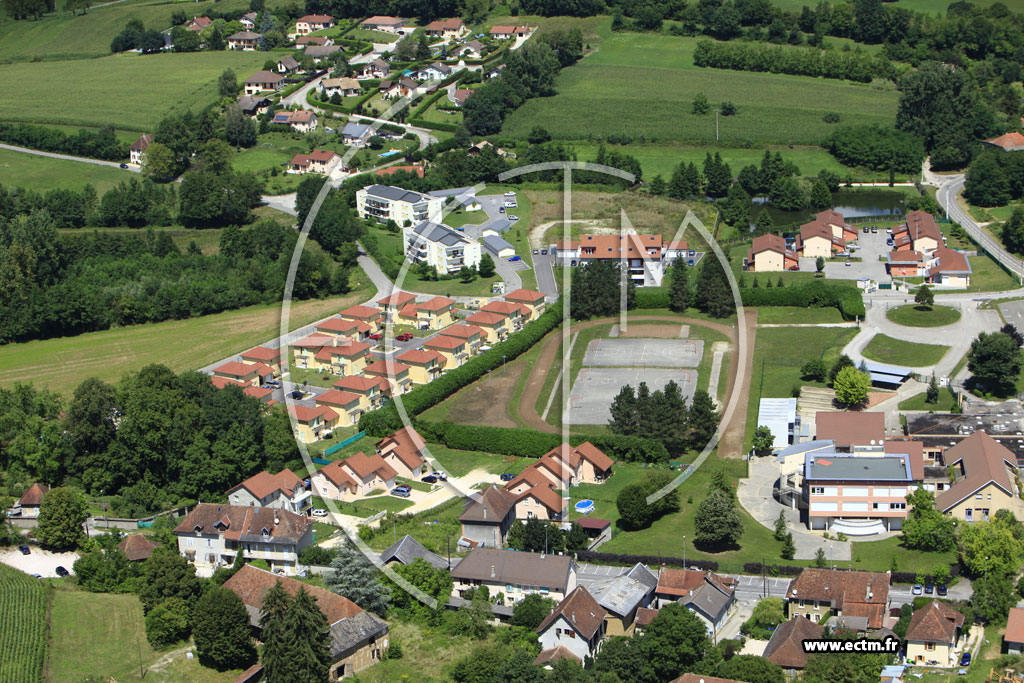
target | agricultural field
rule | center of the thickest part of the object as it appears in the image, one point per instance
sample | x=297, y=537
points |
x=23, y=625
x=39, y=173
x=129, y=91
x=61, y=364
x=648, y=81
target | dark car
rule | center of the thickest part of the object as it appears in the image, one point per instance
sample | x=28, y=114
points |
x=929, y=588
x=405, y=336
x=62, y=572
x=24, y=549
x=429, y=479
x=401, y=493
x=124, y=165
x=941, y=589
x=794, y=267
x=866, y=229
x=297, y=395
x=965, y=659
x=403, y=487
x=874, y=228
x=508, y=476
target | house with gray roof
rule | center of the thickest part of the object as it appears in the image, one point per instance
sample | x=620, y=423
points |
x=356, y=133
x=498, y=246
x=515, y=574
x=486, y=518
x=443, y=248
x=711, y=602
x=405, y=207
x=622, y=596
x=408, y=550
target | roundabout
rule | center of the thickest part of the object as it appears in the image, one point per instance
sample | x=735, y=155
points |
x=913, y=315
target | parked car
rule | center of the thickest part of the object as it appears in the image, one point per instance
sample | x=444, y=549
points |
x=965, y=659
x=544, y=252
x=24, y=549
x=401, y=493
x=572, y=263
x=848, y=263
x=501, y=209
x=124, y=165
x=61, y=572
x=272, y=383
x=866, y=229
x=689, y=262
x=889, y=241
x=461, y=229
x=513, y=218
x=508, y=476
x=429, y=479
x=319, y=512
x=510, y=193
x=441, y=475
x=375, y=336
x=403, y=487
x=510, y=205
x=917, y=589
x=941, y=589
x=693, y=253
x=874, y=228
x=536, y=251
x=517, y=257
x=794, y=267
x=297, y=395
x=405, y=336
x=929, y=588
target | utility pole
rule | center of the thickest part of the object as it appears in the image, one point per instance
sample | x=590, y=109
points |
x=716, y=124
x=684, y=552
x=503, y=365
x=764, y=578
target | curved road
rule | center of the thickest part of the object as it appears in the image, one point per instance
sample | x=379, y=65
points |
x=68, y=157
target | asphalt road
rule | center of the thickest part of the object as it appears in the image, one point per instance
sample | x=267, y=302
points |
x=949, y=188
x=68, y=157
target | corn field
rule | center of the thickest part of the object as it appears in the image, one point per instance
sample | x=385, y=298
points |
x=22, y=627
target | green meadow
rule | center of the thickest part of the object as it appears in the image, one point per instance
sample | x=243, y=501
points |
x=39, y=173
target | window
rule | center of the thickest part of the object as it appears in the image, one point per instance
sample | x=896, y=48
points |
x=897, y=506
x=801, y=603
x=817, y=490
x=929, y=646
x=569, y=632
x=968, y=514
x=990, y=496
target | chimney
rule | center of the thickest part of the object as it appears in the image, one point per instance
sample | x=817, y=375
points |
x=492, y=571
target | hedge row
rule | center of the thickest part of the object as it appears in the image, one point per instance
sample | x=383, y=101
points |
x=431, y=125
x=651, y=560
x=650, y=297
x=385, y=420
x=533, y=444
x=771, y=570
x=814, y=294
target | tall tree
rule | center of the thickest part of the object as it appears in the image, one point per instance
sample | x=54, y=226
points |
x=994, y=360
x=221, y=630
x=852, y=386
x=717, y=524
x=61, y=516
x=624, y=411
x=355, y=578
x=166, y=574
x=275, y=654
x=712, y=293
x=703, y=419
x=310, y=638
x=679, y=287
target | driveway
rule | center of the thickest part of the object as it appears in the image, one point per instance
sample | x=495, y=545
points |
x=456, y=486
x=39, y=561
x=870, y=247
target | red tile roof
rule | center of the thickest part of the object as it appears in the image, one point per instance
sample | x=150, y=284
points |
x=786, y=645
x=845, y=590
x=236, y=521
x=421, y=357
x=851, y=429
x=437, y=303
x=1015, y=626
x=235, y=369
x=263, y=483
x=363, y=465
x=137, y=547
x=385, y=368
x=503, y=308
x=264, y=354
x=396, y=299
x=389, y=170
x=528, y=296
x=221, y=382
x=950, y=261
x=553, y=654
x=581, y=610
x=306, y=414
x=906, y=256
x=486, y=318
x=405, y=444
x=251, y=585
x=445, y=342
x=1012, y=140
x=357, y=383
x=936, y=622
x=361, y=312
x=338, y=475
x=33, y=497
x=334, y=397
x=464, y=331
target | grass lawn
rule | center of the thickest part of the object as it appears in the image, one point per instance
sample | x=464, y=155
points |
x=885, y=349
x=436, y=115
x=920, y=316
x=128, y=91
x=61, y=364
x=366, y=34
x=457, y=219
x=461, y=463
x=207, y=240
x=33, y=172
x=794, y=315
x=917, y=402
x=649, y=80
x=434, y=528
x=386, y=503
x=427, y=655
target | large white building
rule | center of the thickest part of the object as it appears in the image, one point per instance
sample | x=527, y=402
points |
x=405, y=207
x=647, y=257
x=441, y=247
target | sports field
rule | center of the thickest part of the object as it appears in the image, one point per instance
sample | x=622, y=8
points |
x=128, y=91
x=34, y=172
x=643, y=84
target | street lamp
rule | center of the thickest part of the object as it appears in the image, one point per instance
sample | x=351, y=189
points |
x=684, y=552
x=830, y=564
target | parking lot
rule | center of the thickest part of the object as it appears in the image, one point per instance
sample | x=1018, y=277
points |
x=595, y=388
x=644, y=353
x=870, y=247
x=38, y=561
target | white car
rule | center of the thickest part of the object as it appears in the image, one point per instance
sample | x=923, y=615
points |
x=510, y=205
x=513, y=217
x=510, y=193
x=319, y=512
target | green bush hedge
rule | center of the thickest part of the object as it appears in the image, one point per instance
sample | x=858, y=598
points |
x=385, y=420
x=430, y=125
x=648, y=297
x=815, y=294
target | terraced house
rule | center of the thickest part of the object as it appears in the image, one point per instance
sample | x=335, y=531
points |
x=386, y=203
x=312, y=423
x=424, y=365
x=494, y=325
x=433, y=314
x=395, y=374
x=818, y=594
x=451, y=349
x=355, y=477
x=531, y=299
x=347, y=406
x=211, y=535
x=403, y=452
x=371, y=390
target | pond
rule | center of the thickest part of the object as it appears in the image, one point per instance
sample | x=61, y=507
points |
x=850, y=203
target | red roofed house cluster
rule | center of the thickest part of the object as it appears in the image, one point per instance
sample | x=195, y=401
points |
x=539, y=488
x=648, y=256
x=919, y=250
x=769, y=253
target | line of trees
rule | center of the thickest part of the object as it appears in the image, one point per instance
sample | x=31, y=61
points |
x=877, y=148
x=994, y=178
x=100, y=143
x=852, y=66
x=663, y=415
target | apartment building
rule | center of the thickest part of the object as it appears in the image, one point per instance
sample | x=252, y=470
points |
x=859, y=494
x=444, y=249
x=646, y=257
x=919, y=232
x=405, y=207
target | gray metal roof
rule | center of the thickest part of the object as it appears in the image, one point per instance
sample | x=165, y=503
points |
x=500, y=611
x=357, y=130
x=350, y=633
x=438, y=232
x=453, y=191
x=886, y=369
x=807, y=446
x=777, y=414
x=498, y=225
x=708, y=600
x=409, y=549
x=516, y=568
x=622, y=594
x=495, y=244
x=389, y=192
x=853, y=467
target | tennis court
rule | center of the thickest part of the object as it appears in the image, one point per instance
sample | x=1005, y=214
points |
x=644, y=353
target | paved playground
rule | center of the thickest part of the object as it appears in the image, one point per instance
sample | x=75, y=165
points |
x=644, y=353
x=595, y=388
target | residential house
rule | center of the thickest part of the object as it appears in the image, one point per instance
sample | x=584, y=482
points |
x=335, y=482
x=623, y=596
x=365, y=314
x=569, y=465
x=452, y=349
x=343, y=356
x=346, y=87
x=403, y=451
x=211, y=535
x=474, y=49
x=313, y=41
x=283, y=490
x=1013, y=638
x=502, y=32
x=243, y=373
x=137, y=150
x=347, y=406
x=542, y=502
x=378, y=68
x=262, y=394
x=515, y=574
x=919, y=232
x=433, y=314
x=1010, y=142
x=300, y=120
x=137, y=547
x=198, y=24
x=391, y=304
x=314, y=352
x=494, y=325
x=288, y=65
x=263, y=81
x=439, y=246
x=816, y=240
x=245, y=40
x=577, y=624
x=358, y=639
x=769, y=253
x=836, y=222
x=934, y=635
x=32, y=499
x=253, y=106
x=424, y=366
x=370, y=472
x=950, y=268
x=515, y=313
x=386, y=24
x=645, y=256
x=371, y=390
x=313, y=22
x=434, y=72
x=821, y=593
x=709, y=596
x=319, y=53
x=248, y=20
x=356, y=133
x=407, y=550
x=403, y=87
x=985, y=480
x=530, y=298
x=384, y=203
x=395, y=374
x=786, y=647
x=851, y=432
x=311, y=424
x=446, y=29
x=486, y=517
x=906, y=263
x=322, y=161
x=471, y=334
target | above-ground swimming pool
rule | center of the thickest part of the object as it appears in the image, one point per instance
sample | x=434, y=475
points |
x=585, y=506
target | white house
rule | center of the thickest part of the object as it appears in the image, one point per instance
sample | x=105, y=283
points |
x=283, y=490
x=445, y=249
x=576, y=623
x=385, y=202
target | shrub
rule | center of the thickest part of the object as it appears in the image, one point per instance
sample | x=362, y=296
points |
x=167, y=623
